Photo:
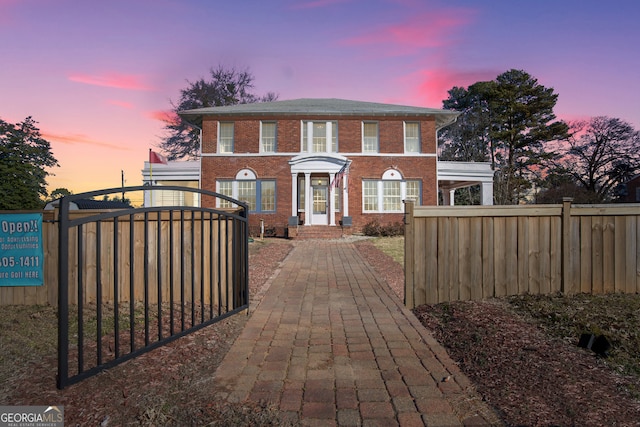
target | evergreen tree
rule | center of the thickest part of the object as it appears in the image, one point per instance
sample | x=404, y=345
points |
x=506, y=121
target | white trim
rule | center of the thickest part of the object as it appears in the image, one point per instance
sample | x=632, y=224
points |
x=246, y=175
x=404, y=136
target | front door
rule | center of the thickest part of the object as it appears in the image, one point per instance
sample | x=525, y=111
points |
x=320, y=192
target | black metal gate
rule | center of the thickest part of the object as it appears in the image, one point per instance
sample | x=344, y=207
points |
x=133, y=279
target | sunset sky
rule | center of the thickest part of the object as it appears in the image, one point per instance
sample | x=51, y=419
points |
x=98, y=76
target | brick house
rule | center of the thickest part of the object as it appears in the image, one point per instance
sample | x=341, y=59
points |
x=328, y=162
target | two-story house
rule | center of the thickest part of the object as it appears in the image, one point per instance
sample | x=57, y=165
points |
x=327, y=162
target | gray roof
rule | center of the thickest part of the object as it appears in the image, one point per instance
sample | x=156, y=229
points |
x=308, y=107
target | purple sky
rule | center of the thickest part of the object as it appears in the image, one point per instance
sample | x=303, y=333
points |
x=98, y=75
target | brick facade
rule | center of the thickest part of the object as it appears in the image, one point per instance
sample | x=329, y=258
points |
x=363, y=166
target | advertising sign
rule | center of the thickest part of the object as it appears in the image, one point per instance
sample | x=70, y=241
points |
x=21, y=253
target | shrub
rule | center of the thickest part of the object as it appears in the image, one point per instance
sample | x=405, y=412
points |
x=374, y=228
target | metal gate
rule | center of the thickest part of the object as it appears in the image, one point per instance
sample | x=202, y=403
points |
x=134, y=279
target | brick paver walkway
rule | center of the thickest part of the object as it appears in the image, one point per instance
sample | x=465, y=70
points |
x=331, y=344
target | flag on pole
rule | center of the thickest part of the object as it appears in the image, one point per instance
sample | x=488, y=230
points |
x=156, y=157
x=337, y=180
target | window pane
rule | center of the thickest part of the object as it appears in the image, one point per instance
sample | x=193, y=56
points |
x=391, y=196
x=334, y=137
x=370, y=137
x=411, y=138
x=268, y=142
x=225, y=188
x=247, y=193
x=319, y=137
x=267, y=196
x=225, y=145
x=413, y=191
x=370, y=193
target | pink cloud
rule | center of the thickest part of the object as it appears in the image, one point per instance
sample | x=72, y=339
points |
x=76, y=138
x=122, y=104
x=425, y=30
x=115, y=80
x=430, y=86
x=166, y=116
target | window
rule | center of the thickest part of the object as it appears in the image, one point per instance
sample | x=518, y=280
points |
x=324, y=137
x=225, y=188
x=411, y=137
x=268, y=137
x=370, y=137
x=259, y=194
x=247, y=193
x=225, y=138
x=412, y=191
x=387, y=194
x=301, y=190
x=267, y=196
x=391, y=198
x=370, y=195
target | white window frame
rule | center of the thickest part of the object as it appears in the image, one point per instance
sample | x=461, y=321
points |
x=368, y=140
x=408, y=149
x=273, y=139
x=231, y=188
x=224, y=140
x=381, y=199
x=330, y=138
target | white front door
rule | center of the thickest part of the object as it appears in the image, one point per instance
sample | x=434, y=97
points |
x=320, y=204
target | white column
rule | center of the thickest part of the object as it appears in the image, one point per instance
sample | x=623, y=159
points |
x=294, y=194
x=345, y=195
x=332, y=205
x=487, y=193
x=452, y=197
x=327, y=136
x=307, y=198
x=309, y=138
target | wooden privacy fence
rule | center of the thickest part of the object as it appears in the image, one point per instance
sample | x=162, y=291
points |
x=471, y=253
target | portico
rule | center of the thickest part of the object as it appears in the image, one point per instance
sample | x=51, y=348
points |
x=315, y=175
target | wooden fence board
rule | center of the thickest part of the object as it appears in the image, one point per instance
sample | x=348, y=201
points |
x=586, y=255
x=488, y=258
x=475, y=258
x=511, y=259
x=444, y=252
x=596, y=255
x=608, y=254
x=499, y=252
x=464, y=267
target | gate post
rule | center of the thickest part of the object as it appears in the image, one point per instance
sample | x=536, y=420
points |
x=409, y=284
x=63, y=293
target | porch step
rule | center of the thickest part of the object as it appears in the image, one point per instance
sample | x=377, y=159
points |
x=308, y=232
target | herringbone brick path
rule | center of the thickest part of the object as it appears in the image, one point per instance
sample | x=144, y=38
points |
x=330, y=344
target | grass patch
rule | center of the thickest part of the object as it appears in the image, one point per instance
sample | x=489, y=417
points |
x=392, y=246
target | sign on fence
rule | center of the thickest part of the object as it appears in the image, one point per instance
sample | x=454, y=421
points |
x=21, y=253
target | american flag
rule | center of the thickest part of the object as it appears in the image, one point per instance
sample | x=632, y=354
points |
x=337, y=180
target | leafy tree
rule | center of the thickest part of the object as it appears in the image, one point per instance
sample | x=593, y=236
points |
x=601, y=154
x=24, y=157
x=507, y=121
x=58, y=193
x=225, y=87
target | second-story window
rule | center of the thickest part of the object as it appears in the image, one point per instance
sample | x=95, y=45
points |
x=268, y=137
x=370, y=137
x=411, y=137
x=225, y=137
x=319, y=137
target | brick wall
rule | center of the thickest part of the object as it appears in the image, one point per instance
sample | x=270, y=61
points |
x=391, y=130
